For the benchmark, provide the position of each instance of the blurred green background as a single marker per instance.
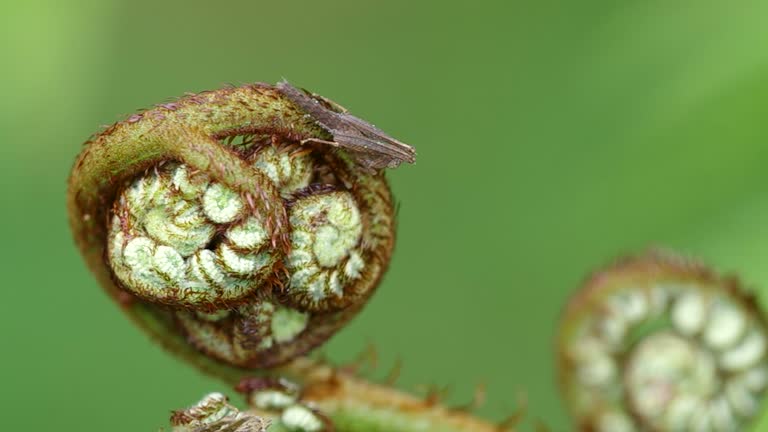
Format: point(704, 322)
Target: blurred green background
point(552, 136)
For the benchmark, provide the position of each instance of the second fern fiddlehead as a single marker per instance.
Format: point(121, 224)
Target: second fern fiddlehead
point(661, 343)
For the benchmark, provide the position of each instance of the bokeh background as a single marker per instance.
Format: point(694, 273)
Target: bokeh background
point(552, 136)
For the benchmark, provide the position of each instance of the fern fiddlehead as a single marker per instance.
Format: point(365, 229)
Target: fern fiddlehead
point(661, 343)
point(241, 228)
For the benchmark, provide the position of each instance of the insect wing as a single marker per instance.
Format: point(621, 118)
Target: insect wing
point(362, 136)
point(369, 145)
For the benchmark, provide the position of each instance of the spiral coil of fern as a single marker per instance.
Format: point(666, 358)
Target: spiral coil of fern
point(256, 246)
point(241, 228)
point(661, 343)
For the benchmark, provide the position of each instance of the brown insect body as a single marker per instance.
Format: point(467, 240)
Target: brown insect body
point(371, 146)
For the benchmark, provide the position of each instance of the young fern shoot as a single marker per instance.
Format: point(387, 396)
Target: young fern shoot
point(243, 227)
point(662, 343)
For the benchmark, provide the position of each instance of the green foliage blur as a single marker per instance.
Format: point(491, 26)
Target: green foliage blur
point(552, 136)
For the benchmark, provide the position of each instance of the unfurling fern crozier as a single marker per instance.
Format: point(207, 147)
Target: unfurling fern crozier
point(234, 219)
point(242, 228)
point(661, 343)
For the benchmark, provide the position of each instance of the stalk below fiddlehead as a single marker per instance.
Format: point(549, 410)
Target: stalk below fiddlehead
point(661, 343)
point(242, 228)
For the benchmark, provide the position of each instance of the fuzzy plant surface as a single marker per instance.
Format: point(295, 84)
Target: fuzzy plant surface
point(658, 342)
point(241, 228)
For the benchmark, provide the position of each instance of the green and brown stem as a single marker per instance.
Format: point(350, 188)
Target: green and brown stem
point(226, 226)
